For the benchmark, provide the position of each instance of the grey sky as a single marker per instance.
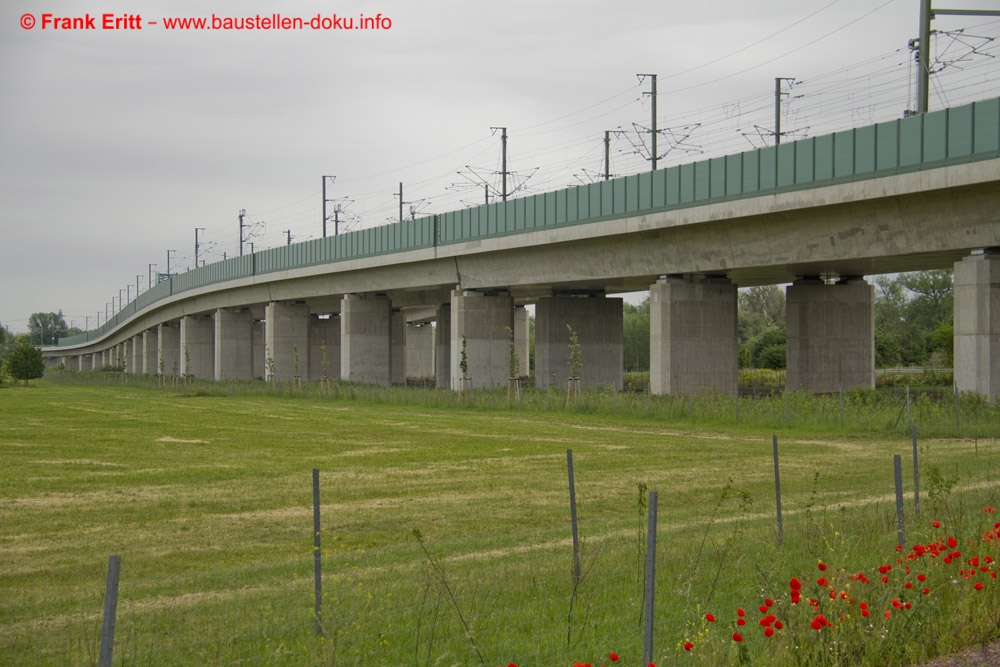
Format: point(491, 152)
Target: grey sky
point(116, 145)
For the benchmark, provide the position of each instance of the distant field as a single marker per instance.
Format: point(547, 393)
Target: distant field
point(208, 500)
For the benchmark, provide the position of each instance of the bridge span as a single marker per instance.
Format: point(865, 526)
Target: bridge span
point(411, 298)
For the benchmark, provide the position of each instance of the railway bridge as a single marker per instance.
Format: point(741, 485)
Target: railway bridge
point(414, 297)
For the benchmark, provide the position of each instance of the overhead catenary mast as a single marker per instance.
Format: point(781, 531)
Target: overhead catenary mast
point(927, 14)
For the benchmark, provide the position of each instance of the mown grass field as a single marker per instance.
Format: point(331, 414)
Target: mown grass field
point(208, 500)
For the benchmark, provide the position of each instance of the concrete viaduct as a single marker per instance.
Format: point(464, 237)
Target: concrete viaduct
point(379, 305)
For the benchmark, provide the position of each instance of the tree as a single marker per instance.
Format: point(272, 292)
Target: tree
point(47, 328)
point(635, 323)
point(25, 362)
point(760, 325)
point(913, 316)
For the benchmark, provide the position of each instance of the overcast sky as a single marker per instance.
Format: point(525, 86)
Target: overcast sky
point(116, 144)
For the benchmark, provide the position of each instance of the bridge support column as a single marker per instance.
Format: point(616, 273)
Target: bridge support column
point(233, 344)
point(397, 347)
point(198, 346)
point(365, 332)
point(442, 347)
point(168, 349)
point(324, 334)
point(831, 335)
point(419, 350)
point(149, 352)
point(693, 342)
point(597, 322)
point(522, 336)
point(286, 334)
point(483, 320)
point(977, 324)
point(138, 355)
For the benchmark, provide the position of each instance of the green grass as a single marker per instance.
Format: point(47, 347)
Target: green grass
point(206, 494)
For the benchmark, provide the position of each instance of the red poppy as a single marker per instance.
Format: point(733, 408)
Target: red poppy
point(762, 608)
point(989, 510)
point(769, 631)
point(737, 637)
point(741, 621)
point(740, 613)
point(778, 625)
point(936, 524)
point(822, 582)
point(978, 586)
point(795, 584)
point(613, 656)
point(821, 566)
point(921, 577)
point(688, 646)
point(710, 618)
point(927, 591)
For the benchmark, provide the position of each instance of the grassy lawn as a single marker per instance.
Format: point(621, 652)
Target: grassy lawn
point(207, 497)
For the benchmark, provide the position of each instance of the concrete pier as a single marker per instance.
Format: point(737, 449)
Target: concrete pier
point(483, 319)
point(286, 341)
point(522, 339)
point(233, 344)
point(397, 347)
point(149, 354)
point(831, 335)
point(420, 351)
point(977, 324)
point(168, 349)
point(324, 334)
point(365, 338)
point(693, 342)
point(597, 322)
point(137, 346)
point(442, 347)
point(197, 341)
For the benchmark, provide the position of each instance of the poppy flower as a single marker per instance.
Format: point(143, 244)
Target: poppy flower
point(822, 582)
point(741, 621)
point(710, 618)
point(613, 656)
point(822, 566)
point(936, 524)
point(795, 584)
point(769, 631)
point(688, 646)
point(978, 586)
point(737, 637)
